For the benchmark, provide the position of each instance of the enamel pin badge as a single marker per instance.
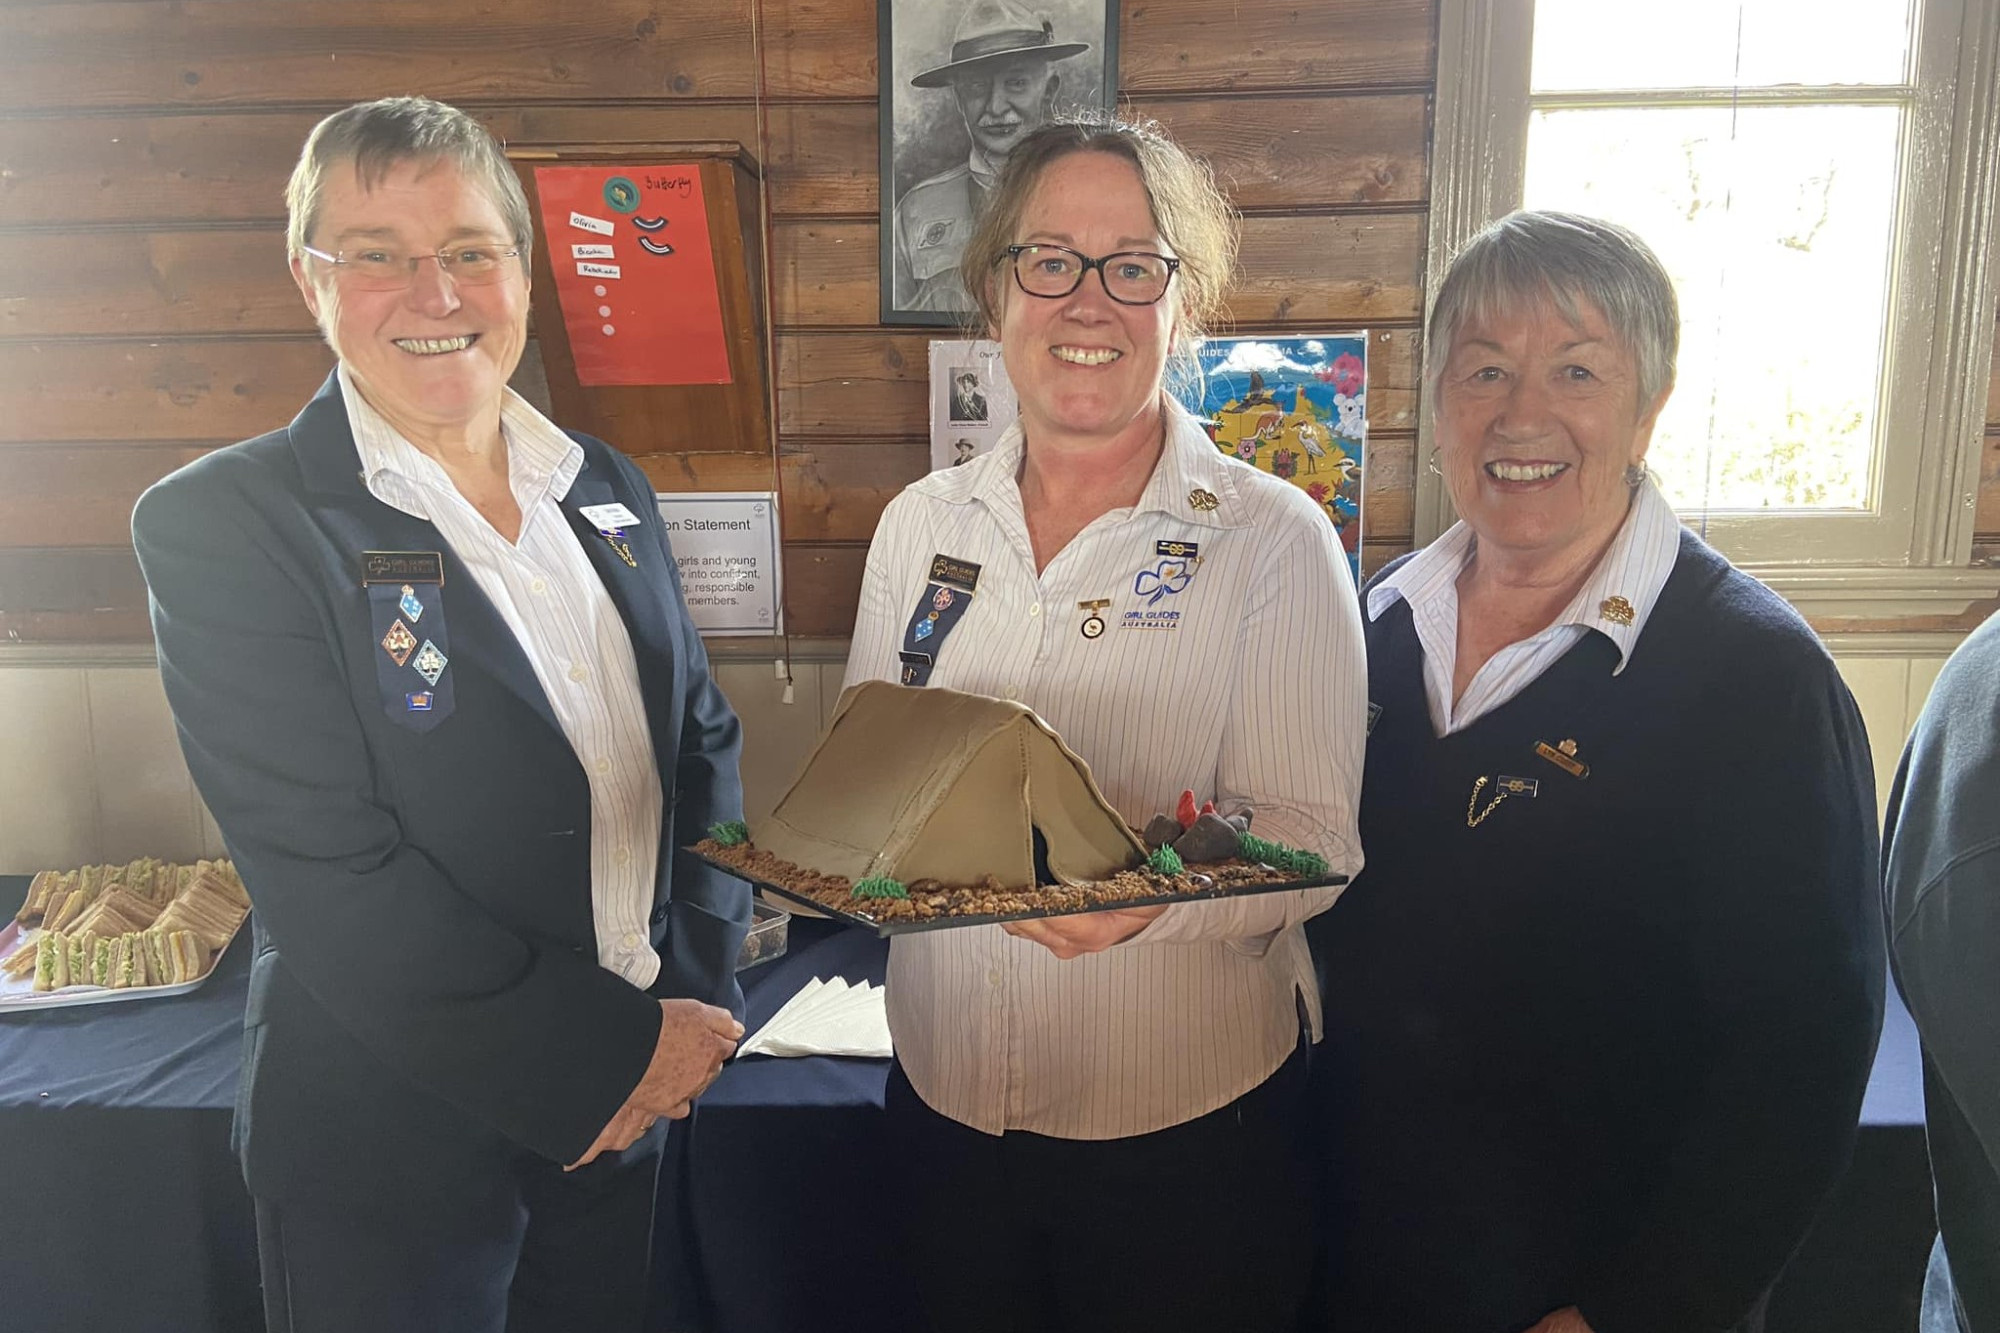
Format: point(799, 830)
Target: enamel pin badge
point(611, 520)
point(405, 588)
point(1093, 622)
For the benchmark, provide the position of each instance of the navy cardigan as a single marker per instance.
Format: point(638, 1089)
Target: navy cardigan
point(1608, 1046)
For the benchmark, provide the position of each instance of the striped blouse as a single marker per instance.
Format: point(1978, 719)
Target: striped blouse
point(1241, 678)
point(547, 591)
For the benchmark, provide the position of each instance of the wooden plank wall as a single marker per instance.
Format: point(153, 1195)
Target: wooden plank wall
point(146, 315)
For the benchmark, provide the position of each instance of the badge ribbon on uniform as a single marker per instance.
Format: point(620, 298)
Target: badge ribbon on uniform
point(412, 646)
point(947, 593)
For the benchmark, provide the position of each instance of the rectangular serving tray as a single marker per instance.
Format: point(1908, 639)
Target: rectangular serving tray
point(21, 996)
point(888, 928)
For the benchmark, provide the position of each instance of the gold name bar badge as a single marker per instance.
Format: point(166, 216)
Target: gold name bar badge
point(1563, 757)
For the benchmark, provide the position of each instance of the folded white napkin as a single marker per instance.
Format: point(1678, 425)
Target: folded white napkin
point(826, 1018)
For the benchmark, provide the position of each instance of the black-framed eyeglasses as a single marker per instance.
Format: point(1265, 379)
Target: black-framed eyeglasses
point(385, 268)
point(1130, 277)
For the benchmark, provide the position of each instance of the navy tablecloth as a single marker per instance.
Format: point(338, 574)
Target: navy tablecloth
point(124, 1210)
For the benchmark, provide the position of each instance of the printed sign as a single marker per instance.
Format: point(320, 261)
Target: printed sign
point(725, 544)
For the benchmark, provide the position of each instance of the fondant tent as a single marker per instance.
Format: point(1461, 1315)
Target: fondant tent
point(934, 784)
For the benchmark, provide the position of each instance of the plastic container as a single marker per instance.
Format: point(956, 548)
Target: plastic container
point(767, 937)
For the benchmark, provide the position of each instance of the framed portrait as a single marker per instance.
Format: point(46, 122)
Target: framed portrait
point(962, 82)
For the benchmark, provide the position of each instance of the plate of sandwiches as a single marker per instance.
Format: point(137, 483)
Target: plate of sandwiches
point(131, 932)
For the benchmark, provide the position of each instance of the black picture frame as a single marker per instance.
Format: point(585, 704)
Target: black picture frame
point(927, 144)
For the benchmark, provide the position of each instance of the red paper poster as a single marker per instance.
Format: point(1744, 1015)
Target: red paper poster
point(635, 273)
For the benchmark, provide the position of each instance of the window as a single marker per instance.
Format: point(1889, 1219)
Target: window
point(1820, 178)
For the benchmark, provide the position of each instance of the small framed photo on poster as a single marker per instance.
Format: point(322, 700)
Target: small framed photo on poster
point(962, 82)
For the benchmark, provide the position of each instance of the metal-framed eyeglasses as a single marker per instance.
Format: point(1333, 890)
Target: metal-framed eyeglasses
point(385, 268)
point(1130, 277)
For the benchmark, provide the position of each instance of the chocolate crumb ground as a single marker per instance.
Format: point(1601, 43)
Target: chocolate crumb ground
point(930, 900)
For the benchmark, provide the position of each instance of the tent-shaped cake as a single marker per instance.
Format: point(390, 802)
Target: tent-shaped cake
point(931, 784)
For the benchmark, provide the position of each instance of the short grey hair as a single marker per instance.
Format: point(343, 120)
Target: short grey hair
point(379, 136)
point(1567, 261)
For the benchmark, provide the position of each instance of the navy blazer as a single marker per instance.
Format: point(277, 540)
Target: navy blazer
point(426, 981)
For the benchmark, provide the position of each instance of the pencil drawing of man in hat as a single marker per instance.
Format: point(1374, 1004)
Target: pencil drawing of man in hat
point(1002, 71)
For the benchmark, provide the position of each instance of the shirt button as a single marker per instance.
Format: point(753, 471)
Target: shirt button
point(604, 765)
point(1013, 692)
point(622, 857)
point(633, 939)
point(579, 674)
point(538, 587)
point(993, 977)
point(1035, 610)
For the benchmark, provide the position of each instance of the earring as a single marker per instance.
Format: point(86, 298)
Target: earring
point(1432, 464)
point(1636, 473)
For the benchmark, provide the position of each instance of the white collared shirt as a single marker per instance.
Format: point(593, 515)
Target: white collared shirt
point(1633, 568)
point(551, 597)
point(1243, 681)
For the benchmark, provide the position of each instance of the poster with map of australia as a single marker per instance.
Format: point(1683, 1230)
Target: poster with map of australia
point(1296, 408)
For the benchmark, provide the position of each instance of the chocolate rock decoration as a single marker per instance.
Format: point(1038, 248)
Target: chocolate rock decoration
point(1209, 838)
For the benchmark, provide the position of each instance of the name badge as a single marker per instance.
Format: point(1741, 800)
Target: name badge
point(960, 574)
point(609, 518)
point(402, 567)
point(1563, 756)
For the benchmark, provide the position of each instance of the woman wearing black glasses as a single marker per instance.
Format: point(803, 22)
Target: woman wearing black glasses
point(1082, 1097)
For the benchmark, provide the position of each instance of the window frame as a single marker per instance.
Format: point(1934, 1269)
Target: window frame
point(1911, 555)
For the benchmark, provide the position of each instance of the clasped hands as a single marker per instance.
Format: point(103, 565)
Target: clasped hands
point(695, 1039)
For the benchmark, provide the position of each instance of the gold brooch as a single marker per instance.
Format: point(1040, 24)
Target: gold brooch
point(1503, 788)
point(1201, 499)
point(1563, 756)
point(1617, 610)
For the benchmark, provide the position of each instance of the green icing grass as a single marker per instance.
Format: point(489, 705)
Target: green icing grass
point(732, 833)
point(1165, 861)
point(879, 886)
point(1300, 865)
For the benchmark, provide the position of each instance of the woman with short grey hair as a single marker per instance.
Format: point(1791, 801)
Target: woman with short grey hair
point(1601, 1008)
point(436, 681)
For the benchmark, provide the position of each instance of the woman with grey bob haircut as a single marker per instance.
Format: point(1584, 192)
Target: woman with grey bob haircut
point(1570, 261)
point(1600, 1009)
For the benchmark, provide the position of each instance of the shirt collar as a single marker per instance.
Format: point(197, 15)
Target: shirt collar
point(1616, 600)
point(983, 168)
point(1192, 481)
point(542, 462)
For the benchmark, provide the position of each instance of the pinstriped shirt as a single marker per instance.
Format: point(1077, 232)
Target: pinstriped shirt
point(1243, 680)
point(1635, 567)
point(549, 594)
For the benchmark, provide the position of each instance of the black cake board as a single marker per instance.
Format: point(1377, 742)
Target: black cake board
point(863, 919)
